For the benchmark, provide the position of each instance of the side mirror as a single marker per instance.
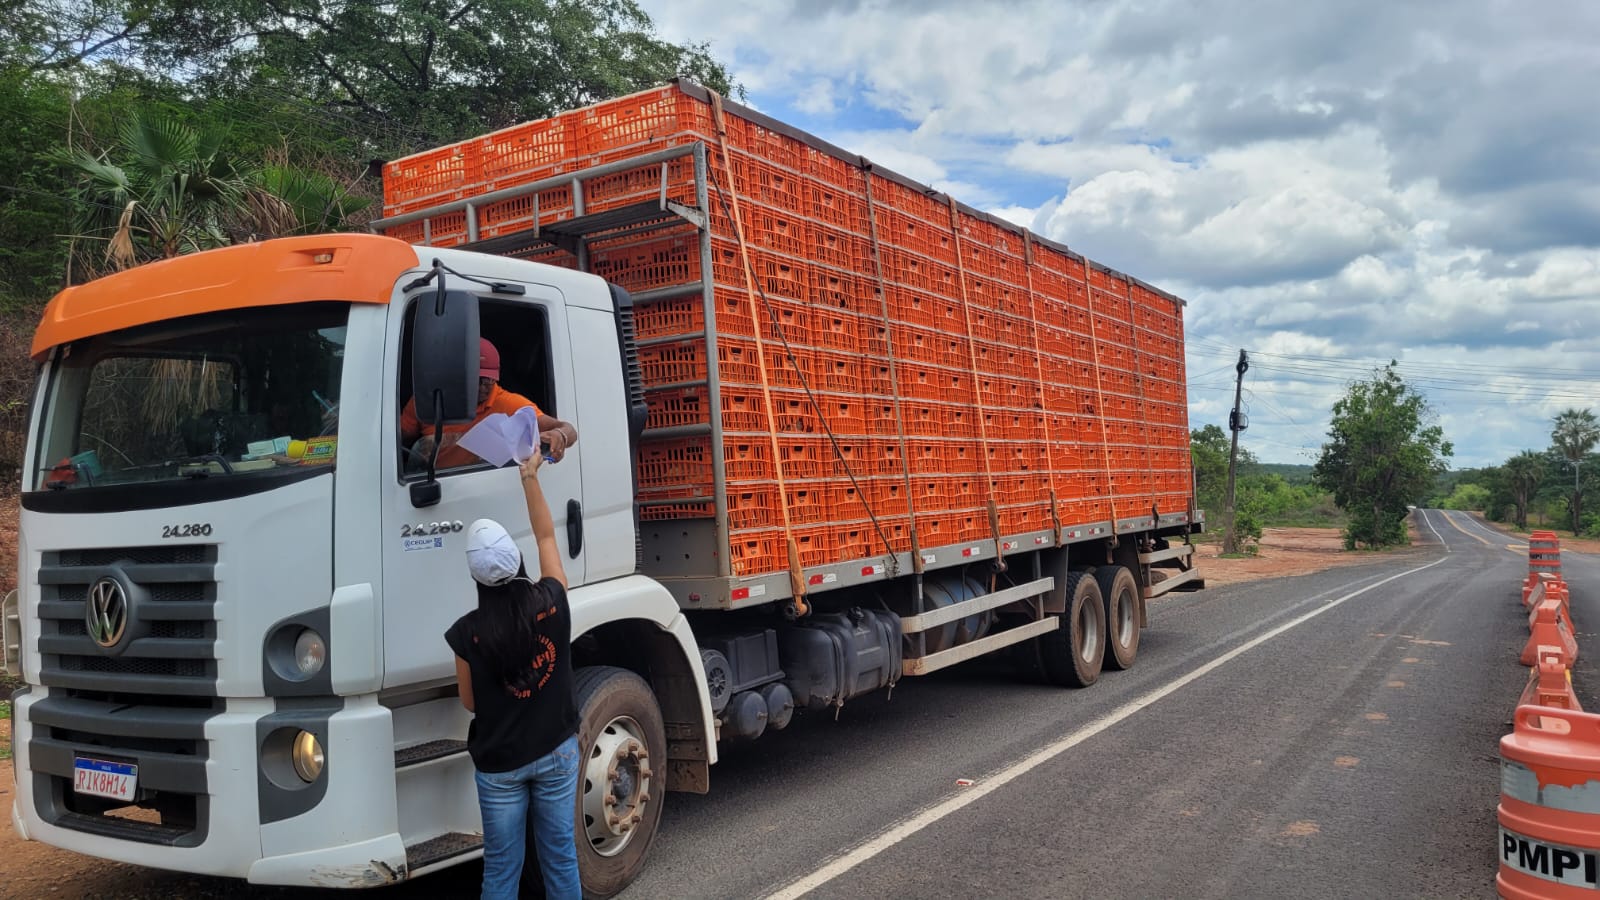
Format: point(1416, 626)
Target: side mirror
point(444, 358)
point(444, 372)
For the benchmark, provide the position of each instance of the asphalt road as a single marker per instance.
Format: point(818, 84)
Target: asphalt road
point(1332, 735)
point(1329, 735)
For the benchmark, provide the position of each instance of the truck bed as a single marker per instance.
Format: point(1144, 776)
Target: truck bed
point(849, 375)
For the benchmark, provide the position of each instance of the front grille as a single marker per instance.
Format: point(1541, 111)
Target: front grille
point(166, 668)
point(169, 647)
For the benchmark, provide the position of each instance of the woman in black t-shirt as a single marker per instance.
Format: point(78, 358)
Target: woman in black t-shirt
point(514, 670)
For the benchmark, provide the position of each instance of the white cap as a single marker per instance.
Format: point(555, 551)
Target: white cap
point(492, 556)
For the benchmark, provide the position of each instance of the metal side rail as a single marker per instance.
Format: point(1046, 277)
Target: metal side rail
point(922, 665)
point(1187, 578)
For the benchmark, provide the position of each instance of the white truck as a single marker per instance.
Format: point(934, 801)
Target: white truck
point(235, 576)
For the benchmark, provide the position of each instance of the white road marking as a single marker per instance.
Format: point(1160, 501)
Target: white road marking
point(1428, 522)
point(1000, 779)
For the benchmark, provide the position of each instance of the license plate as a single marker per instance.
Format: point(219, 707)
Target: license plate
point(98, 778)
point(1552, 862)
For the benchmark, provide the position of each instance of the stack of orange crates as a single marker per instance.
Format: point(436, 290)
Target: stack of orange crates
point(1025, 375)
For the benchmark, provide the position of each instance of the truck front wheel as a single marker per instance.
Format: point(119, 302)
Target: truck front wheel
point(622, 780)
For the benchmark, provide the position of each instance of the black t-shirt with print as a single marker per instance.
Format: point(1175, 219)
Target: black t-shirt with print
point(510, 730)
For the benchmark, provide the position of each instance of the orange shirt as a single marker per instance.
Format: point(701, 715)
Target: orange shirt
point(499, 401)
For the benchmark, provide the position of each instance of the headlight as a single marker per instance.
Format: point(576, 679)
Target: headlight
point(307, 757)
point(310, 652)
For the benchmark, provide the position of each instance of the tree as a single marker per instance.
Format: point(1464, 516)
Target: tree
point(1575, 433)
point(412, 74)
point(1382, 454)
point(1522, 475)
point(1208, 451)
point(166, 189)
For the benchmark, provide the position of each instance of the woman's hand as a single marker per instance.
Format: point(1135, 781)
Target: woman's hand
point(530, 466)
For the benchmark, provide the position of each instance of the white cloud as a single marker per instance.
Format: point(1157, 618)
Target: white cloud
point(1355, 182)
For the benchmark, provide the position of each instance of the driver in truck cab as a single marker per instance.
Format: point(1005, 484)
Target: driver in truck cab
point(492, 398)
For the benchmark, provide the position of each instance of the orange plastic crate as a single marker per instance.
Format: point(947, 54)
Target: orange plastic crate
point(776, 230)
point(815, 545)
point(641, 185)
point(753, 505)
point(772, 146)
point(524, 153)
point(806, 502)
point(643, 118)
point(679, 467)
point(678, 317)
point(441, 231)
point(517, 213)
point(677, 407)
point(646, 265)
point(733, 312)
point(1023, 519)
point(837, 207)
point(666, 512)
point(434, 176)
point(832, 171)
point(747, 459)
point(753, 553)
point(837, 329)
point(764, 183)
point(837, 248)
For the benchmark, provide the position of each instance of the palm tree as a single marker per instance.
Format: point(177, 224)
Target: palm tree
point(1575, 433)
point(161, 190)
point(165, 189)
point(1524, 473)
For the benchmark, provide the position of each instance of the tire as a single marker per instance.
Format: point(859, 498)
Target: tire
point(1121, 593)
point(1071, 656)
point(623, 744)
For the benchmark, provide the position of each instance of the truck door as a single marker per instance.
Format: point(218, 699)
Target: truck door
point(425, 582)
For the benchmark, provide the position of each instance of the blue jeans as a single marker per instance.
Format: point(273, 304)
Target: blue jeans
point(543, 793)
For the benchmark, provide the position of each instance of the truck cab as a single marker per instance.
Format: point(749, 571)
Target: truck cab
point(236, 575)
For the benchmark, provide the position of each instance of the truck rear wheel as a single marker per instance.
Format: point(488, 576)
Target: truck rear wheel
point(1071, 655)
point(622, 778)
point(1121, 595)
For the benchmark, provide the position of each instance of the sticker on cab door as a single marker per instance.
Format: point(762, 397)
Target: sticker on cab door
point(412, 544)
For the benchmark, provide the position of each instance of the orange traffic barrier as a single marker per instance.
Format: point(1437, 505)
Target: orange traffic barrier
point(1550, 682)
point(1550, 588)
point(1544, 552)
point(1550, 805)
point(1551, 581)
point(1551, 627)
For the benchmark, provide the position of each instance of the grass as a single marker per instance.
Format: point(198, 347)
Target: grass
point(5, 713)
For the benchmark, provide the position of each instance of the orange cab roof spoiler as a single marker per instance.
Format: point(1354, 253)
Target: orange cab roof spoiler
point(358, 268)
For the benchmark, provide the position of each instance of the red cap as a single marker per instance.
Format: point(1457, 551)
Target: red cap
point(488, 360)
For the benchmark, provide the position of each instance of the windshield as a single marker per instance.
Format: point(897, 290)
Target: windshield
point(220, 395)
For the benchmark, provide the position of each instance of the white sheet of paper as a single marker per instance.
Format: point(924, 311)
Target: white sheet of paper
point(500, 439)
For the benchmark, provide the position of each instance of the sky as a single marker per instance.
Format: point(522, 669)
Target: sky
point(1329, 185)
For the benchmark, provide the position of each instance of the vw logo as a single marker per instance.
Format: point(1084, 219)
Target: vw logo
point(106, 613)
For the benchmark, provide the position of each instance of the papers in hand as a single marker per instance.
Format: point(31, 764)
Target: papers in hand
point(500, 439)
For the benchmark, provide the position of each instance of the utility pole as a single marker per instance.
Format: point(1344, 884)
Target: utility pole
point(1236, 424)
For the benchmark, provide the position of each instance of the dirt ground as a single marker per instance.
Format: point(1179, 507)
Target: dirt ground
point(1283, 551)
point(30, 870)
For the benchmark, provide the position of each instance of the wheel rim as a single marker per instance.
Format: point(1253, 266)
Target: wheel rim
point(1088, 634)
point(1124, 612)
point(616, 785)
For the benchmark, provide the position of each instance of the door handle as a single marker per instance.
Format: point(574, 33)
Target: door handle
point(574, 528)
